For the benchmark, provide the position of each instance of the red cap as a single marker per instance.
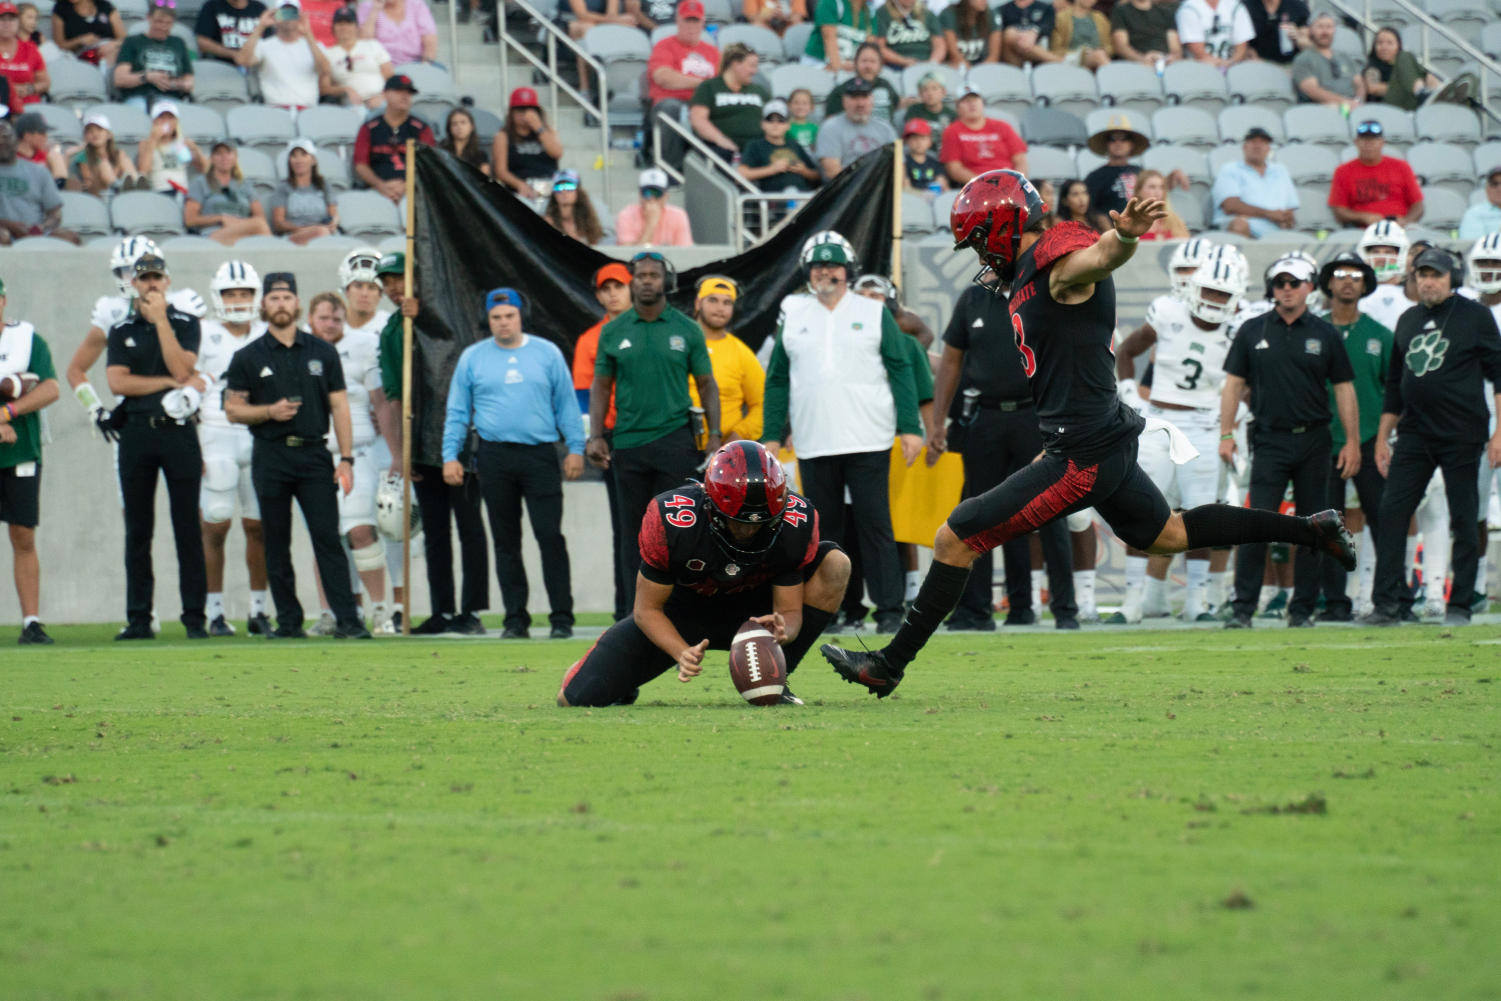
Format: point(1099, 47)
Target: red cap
point(521, 97)
point(691, 8)
point(619, 272)
point(917, 127)
point(6, 7)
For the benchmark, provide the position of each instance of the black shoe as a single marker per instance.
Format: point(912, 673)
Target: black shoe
point(834, 628)
point(287, 633)
point(1066, 623)
point(136, 631)
point(860, 668)
point(971, 625)
point(259, 625)
point(888, 622)
point(561, 633)
point(196, 632)
point(1456, 617)
point(34, 634)
point(1408, 615)
point(1300, 622)
point(1335, 615)
point(788, 699)
point(433, 626)
point(353, 631)
point(219, 627)
point(1334, 539)
point(396, 621)
point(516, 633)
point(1239, 620)
point(1021, 617)
point(467, 624)
point(1380, 618)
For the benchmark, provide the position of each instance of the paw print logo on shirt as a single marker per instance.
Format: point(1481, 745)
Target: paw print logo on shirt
point(1426, 353)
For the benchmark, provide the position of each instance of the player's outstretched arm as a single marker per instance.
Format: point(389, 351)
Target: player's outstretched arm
point(651, 599)
point(1093, 264)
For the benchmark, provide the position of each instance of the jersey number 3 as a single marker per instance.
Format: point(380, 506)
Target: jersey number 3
point(1192, 382)
point(1029, 360)
point(683, 517)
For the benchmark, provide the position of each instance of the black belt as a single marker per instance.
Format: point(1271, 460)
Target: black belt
point(163, 421)
point(1303, 429)
point(293, 441)
point(1006, 406)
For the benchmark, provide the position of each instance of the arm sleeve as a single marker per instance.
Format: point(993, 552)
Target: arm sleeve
point(456, 420)
point(701, 97)
point(424, 19)
point(922, 371)
point(753, 392)
point(1014, 143)
point(1242, 30)
point(426, 137)
point(1302, 69)
point(362, 145)
point(604, 361)
point(827, 12)
point(827, 143)
point(565, 404)
point(390, 357)
point(956, 335)
point(1414, 191)
point(774, 418)
point(207, 25)
point(237, 376)
point(189, 334)
point(1392, 403)
point(583, 361)
point(948, 151)
point(899, 375)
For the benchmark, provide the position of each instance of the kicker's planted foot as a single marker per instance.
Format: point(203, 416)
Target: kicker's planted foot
point(861, 668)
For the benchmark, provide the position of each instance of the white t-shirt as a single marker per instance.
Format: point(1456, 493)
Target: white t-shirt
point(215, 350)
point(1189, 363)
point(374, 327)
point(359, 353)
point(289, 76)
point(1220, 28)
point(359, 67)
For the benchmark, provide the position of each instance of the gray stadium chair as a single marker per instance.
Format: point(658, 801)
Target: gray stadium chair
point(219, 86)
point(1193, 163)
point(1443, 56)
point(1236, 120)
point(795, 41)
point(130, 125)
point(138, 213)
point(1486, 157)
point(332, 166)
point(624, 52)
point(1466, 17)
point(364, 213)
point(1130, 86)
point(1448, 123)
point(256, 125)
point(1477, 196)
point(76, 84)
point(1490, 40)
point(1262, 84)
point(85, 215)
point(952, 78)
point(1051, 164)
point(1195, 84)
point(917, 214)
point(1440, 165)
point(259, 170)
point(1100, 118)
point(62, 121)
point(1350, 43)
point(1086, 162)
point(1290, 236)
point(181, 30)
point(1316, 123)
point(786, 79)
point(331, 125)
point(392, 244)
point(1431, 235)
point(132, 10)
point(1004, 87)
point(1351, 235)
point(943, 205)
point(1442, 208)
point(1187, 126)
point(1314, 214)
point(1391, 14)
point(45, 244)
point(662, 31)
point(719, 12)
point(264, 243)
point(1222, 155)
point(1064, 88)
point(763, 40)
point(335, 242)
point(201, 124)
point(1398, 130)
point(1189, 209)
point(1051, 127)
point(185, 243)
point(486, 124)
point(435, 91)
point(1308, 164)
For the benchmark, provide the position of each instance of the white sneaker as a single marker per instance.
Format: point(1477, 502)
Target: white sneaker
point(325, 625)
point(156, 623)
point(1435, 610)
point(381, 623)
point(1158, 609)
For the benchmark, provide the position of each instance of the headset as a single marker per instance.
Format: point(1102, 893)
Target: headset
point(652, 255)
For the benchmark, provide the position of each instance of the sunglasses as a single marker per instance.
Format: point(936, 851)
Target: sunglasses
point(649, 255)
point(1287, 282)
point(652, 192)
point(774, 118)
point(565, 186)
point(1346, 273)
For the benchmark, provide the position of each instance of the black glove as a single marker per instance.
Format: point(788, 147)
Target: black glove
point(103, 421)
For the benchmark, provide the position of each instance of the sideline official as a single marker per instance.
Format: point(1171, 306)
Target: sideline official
point(1444, 349)
point(286, 385)
point(150, 364)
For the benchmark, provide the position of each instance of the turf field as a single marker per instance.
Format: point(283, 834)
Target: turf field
point(1108, 814)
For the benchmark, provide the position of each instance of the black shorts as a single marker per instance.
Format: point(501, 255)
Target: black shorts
point(624, 658)
point(21, 497)
point(1055, 486)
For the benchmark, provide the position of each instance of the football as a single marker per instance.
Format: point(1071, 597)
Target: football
point(13, 387)
point(757, 666)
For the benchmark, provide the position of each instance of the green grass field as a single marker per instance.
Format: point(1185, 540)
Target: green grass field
point(1123, 815)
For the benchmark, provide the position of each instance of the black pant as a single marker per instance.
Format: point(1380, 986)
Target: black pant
point(1414, 459)
point(868, 477)
point(996, 445)
point(439, 500)
point(612, 494)
point(508, 474)
point(1369, 486)
point(281, 473)
point(1276, 458)
point(640, 474)
point(172, 450)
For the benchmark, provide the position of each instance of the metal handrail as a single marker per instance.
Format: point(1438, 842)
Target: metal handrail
point(698, 144)
point(453, 39)
point(550, 69)
point(762, 201)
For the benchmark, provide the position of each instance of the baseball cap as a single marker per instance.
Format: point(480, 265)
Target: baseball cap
point(1295, 266)
point(1436, 258)
point(565, 180)
point(1491, 174)
point(1257, 132)
point(303, 143)
point(970, 90)
point(928, 78)
point(30, 122)
point(100, 120)
point(1369, 128)
point(828, 253)
point(718, 285)
point(400, 81)
point(7, 7)
point(165, 108)
point(524, 97)
point(150, 264)
point(917, 127)
point(503, 297)
point(346, 15)
point(284, 279)
point(653, 177)
point(775, 107)
point(392, 264)
point(858, 85)
point(691, 8)
point(616, 272)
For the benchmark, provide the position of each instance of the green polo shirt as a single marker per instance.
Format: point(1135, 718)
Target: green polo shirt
point(28, 444)
point(390, 357)
point(1369, 346)
point(650, 361)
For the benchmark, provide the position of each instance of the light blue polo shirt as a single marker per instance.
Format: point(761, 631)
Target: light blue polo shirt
point(1480, 219)
point(1272, 191)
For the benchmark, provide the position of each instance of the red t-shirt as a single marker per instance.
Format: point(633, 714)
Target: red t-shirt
point(1387, 189)
point(989, 147)
point(701, 61)
point(22, 68)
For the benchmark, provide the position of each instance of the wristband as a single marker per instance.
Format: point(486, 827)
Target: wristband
point(10, 412)
point(1127, 239)
point(1227, 437)
point(346, 458)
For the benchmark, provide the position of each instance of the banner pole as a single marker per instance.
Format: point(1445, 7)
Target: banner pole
point(406, 392)
point(897, 169)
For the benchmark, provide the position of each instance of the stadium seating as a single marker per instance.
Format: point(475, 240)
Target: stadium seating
point(763, 41)
point(1314, 214)
point(330, 165)
point(61, 120)
point(1192, 162)
point(1051, 127)
point(1490, 40)
point(201, 124)
point(624, 52)
point(1289, 236)
point(130, 125)
point(331, 125)
point(1236, 120)
point(1308, 164)
point(1443, 56)
point(1086, 162)
point(258, 125)
point(132, 10)
point(259, 169)
point(263, 243)
point(1051, 164)
point(1064, 88)
point(1187, 126)
point(335, 242)
point(85, 214)
point(146, 213)
point(1195, 84)
point(943, 206)
point(364, 213)
point(662, 31)
point(719, 12)
point(435, 91)
point(1486, 156)
point(1222, 155)
point(1261, 84)
point(795, 40)
point(219, 85)
point(1316, 123)
point(1448, 123)
point(952, 78)
point(1130, 87)
point(1004, 87)
point(76, 84)
point(1189, 209)
point(1466, 17)
point(1442, 208)
point(1099, 119)
point(1444, 166)
point(1396, 125)
point(786, 79)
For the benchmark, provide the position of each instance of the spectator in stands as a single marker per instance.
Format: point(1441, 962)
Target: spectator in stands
point(652, 14)
point(320, 18)
point(1145, 32)
point(358, 67)
point(652, 222)
point(291, 61)
point(777, 15)
point(221, 204)
point(726, 109)
point(923, 170)
point(1027, 32)
point(908, 35)
point(100, 166)
point(302, 207)
point(21, 62)
point(90, 29)
point(156, 64)
point(931, 105)
point(526, 151)
point(165, 155)
point(839, 28)
point(971, 34)
point(405, 27)
point(1073, 204)
point(223, 27)
point(775, 162)
point(1113, 183)
point(461, 138)
point(1393, 76)
point(846, 137)
point(975, 144)
point(679, 63)
point(1254, 197)
point(1081, 36)
point(867, 68)
point(1151, 185)
point(380, 147)
point(1373, 187)
point(32, 144)
point(570, 211)
point(582, 15)
point(803, 130)
point(1484, 218)
point(29, 202)
point(30, 16)
point(1281, 29)
point(1217, 32)
point(1324, 76)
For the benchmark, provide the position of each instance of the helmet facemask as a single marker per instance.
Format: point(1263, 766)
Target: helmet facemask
point(1215, 292)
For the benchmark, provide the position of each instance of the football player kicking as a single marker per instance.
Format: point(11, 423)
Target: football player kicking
point(1063, 317)
point(738, 546)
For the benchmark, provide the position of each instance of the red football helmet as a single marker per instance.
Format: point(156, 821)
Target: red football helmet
point(990, 215)
point(746, 486)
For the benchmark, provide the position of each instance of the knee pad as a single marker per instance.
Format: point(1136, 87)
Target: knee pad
point(1080, 521)
point(220, 473)
point(218, 505)
point(371, 557)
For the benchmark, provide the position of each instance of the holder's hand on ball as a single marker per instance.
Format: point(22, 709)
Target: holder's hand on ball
point(774, 624)
point(691, 661)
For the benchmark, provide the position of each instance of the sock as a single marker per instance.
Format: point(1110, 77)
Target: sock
point(914, 582)
point(1210, 525)
point(939, 595)
point(1037, 578)
point(1412, 558)
point(257, 603)
point(1198, 578)
point(815, 620)
point(28, 620)
point(1136, 576)
point(1366, 568)
point(1481, 567)
point(1155, 595)
point(1217, 589)
point(1268, 592)
point(215, 606)
point(398, 609)
point(1084, 592)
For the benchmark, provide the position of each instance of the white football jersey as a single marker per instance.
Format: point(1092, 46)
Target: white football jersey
point(375, 326)
point(1221, 28)
point(215, 350)
point(113, 309)
point(1247, 309)
point(1490, 391)
point(359, 352)
point(1189, 361)
point(1386, 305)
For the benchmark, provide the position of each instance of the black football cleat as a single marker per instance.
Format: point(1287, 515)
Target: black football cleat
point(434, 625)
point(560, 633)
point(136, 631)
point(788, 699)
point(287, 633)
point(34, 634)
point(467, 624)
point(861, 668)
point(353, 630)
point(196, 632)
point(1334, 539)
point(259, 625)
point(220, 627)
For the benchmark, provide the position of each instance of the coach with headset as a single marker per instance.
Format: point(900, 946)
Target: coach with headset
point(1444, 349)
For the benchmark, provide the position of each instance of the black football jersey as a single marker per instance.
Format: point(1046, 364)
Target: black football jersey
point(1067, 352)
point(678, 548)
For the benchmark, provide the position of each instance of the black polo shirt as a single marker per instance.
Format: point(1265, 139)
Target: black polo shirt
point(134, 344)
point(1289, 367)
point(268, 371)
point(981, 328)
point(1441, 358)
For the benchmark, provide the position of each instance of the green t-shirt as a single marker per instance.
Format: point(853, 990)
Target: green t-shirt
point(650, 362)
point(885, 96)
point(941, 119)
point(803, 133)
point(762, 153)
point(850, 30)
point(735, 113)
point(912, 36)
point(1369, 346)
point(28, 444)
point(170, 55)
point(922, 369)
point(973, 45)
point(390, 357)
